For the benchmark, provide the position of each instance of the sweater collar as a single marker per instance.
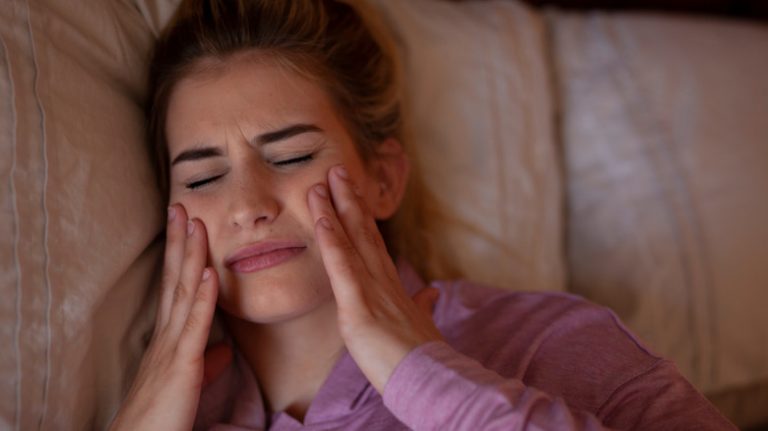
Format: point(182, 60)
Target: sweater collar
point(344, 391)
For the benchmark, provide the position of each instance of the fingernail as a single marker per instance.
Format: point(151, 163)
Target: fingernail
point(190, 228)
point(171, 213)
point(321, 190)
point(342, 171)
point(326, 223)
point(206, 274)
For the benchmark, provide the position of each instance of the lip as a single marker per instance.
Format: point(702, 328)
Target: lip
point(263, 255)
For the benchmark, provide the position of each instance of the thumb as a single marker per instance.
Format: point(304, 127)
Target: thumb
point(426, 299)
point(217, 359)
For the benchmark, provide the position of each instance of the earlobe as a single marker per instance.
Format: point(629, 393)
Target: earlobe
point(391, 168)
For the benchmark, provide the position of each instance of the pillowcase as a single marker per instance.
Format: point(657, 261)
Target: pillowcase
point(480, 115)
point(81, 215)
point(80, 210)
point(666, 149)
point(479, 106)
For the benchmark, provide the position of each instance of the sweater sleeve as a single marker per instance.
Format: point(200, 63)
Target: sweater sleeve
point(435, 387)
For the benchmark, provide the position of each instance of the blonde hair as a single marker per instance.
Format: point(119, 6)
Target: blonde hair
point(339, 45)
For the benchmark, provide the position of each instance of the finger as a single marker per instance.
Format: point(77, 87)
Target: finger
point(174, 255)
point(195, 251)
point(197, 325)
point(341, 260)
point(426, 299)
point(357, 221)
point(217, 359)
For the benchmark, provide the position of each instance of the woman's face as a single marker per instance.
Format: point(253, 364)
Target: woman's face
point(246, 143)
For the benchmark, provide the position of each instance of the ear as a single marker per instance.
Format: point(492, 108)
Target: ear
point(389, 170)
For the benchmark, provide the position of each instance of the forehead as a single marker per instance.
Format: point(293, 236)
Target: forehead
point(253, 94)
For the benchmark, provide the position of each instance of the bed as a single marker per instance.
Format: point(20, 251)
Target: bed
point(619, 155)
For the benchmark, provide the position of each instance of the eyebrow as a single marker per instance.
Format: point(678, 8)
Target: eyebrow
point(263, 139)
point(285, 133)
point(196, 154)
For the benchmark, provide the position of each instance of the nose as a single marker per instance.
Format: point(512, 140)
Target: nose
point(253, 203)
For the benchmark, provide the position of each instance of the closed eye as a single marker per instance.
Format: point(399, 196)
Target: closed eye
point(295, 160)
point(197, 184)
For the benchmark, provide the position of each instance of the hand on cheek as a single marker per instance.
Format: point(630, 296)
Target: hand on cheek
point(378, 321)
point(175, 367)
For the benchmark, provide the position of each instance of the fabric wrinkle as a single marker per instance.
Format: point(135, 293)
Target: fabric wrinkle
point(16, 233)
point(46, 252)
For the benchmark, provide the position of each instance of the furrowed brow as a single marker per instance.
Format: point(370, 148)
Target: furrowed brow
point(196, 154)
point(263, 139)
point(285, 133)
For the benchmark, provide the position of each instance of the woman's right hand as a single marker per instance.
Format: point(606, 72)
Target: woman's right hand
point(166, 391)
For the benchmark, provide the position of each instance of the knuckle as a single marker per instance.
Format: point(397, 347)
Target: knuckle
point(181, 361)
point(348, 248)
point(370, 236)
point(327, 214)
point(181, 292)
point(193, 323)
point(346, 269)
point(203, 295)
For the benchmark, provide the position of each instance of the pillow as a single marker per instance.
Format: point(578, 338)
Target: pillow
point(478, 103)
point(80, 210)
point(666, 150)
point(81, 216)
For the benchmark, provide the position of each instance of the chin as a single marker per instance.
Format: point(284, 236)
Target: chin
point(272, 302)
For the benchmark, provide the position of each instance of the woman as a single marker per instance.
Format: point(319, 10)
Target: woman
point(278, 132)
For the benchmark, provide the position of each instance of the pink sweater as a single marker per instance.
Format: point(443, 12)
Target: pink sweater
point(512, 361)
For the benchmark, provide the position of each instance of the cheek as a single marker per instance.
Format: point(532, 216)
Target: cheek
point(297, 195)
point(208, 211)
point(201, 207)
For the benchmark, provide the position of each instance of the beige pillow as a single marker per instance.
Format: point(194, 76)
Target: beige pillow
point(666, 145)
point(81, 214)
point(80, 210)
point(479, 103)
point(479, 106)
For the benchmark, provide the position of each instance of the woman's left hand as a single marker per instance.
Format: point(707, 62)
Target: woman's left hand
point(378, 321)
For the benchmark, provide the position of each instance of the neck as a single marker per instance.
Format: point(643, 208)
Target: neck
point(290, 359)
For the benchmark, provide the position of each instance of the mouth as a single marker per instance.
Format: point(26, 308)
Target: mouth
point(263, 255)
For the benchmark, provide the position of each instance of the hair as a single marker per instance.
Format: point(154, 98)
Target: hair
point(338, 46)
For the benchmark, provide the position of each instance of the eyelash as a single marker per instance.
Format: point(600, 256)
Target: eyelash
point(282, 163)
point(295, 161)
point(197, 184)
